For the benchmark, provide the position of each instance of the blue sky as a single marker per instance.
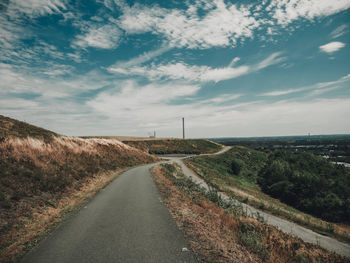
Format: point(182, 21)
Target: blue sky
point(231, 68)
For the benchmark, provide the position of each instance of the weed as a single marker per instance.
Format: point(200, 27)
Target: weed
point(250, 238)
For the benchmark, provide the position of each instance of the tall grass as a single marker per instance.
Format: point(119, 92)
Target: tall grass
point(36, 174)
point(220, 231)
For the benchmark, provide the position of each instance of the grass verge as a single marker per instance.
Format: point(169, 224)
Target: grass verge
point(41, 180)
point(221, 232)
point(216, 171)
point(44, 219)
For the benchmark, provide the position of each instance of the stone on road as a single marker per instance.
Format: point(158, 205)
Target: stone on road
point(125, 222)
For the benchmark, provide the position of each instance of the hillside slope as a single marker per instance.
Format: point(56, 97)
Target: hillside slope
point(44, 175)
point(244, 173)
point(11, 127)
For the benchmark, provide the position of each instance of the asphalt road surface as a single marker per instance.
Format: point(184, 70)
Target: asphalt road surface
point(125, 222)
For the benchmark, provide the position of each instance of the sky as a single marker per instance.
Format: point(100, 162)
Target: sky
point(230, 68)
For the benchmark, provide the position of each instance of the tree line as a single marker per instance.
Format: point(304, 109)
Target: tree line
point(309, 183)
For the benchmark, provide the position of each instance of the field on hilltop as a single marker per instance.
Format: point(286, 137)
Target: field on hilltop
point(44, 175)
point(175, 146)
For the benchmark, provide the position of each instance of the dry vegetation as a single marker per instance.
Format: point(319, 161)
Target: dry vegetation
point(175, 146)
point(216, 171)
point(10, 127)
point(128, 138)
point(45, 176)
point(219, 232)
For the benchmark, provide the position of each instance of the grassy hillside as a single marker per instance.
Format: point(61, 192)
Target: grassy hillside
point(175, 146)
point(242, 171)
point(220, 231)
point(11, 127)
point(43, 176)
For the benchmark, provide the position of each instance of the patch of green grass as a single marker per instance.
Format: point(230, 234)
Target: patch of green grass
point(176, 146)
point(250, 237)
point(259, 238)
point(236, 172)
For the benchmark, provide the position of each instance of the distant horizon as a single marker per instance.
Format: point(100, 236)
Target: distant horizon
point(132, 67)
point(180, 136)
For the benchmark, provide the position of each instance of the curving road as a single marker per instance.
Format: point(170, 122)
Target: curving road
point(125, 222)
point(284, 225)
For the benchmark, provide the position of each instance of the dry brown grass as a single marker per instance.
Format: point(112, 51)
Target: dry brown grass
point(217, 236)
point(40, 181)
point(175, 146)
point(130, 138)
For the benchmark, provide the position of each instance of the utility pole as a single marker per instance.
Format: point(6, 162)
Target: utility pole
point(183, 128)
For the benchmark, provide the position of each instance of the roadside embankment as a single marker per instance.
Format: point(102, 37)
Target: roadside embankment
point(220, 230)
point(43, 176)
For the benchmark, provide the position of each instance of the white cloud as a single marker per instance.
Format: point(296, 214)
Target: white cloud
point(282, 92)
point(221, 99)
point(131, 111)
point(182, 71)
point(35, 8)
point(317, 88)
point(139, 104)
point(339, 31)
point(321, 91)
point(17, 104)
point(146, 56)
point(50, 85)
point(273, 59)
point(234, 61)
point(105, 37)
point(287, 11)
point(223, 25)
point(332, 47)
point(128, 108)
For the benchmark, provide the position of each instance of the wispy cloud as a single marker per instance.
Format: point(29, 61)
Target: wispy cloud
point(35, 8)
point(182, 71)
point(221, 99)
point(250, 119)
point(339, 31)
point(321, 91)
point(105, 37)
point(282, 92)
point(223, 25)
point(317, 88)
point(288, 11)
point(273, 59)
point(146, 56)
point(332, 47)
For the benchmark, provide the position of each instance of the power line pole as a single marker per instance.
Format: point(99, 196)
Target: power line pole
point(183, 128)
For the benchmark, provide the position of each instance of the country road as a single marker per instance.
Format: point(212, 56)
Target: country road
point(286, 226)
point(125, 222)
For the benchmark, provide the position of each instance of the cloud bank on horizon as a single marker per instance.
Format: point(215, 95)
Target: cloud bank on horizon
point(231, 68)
